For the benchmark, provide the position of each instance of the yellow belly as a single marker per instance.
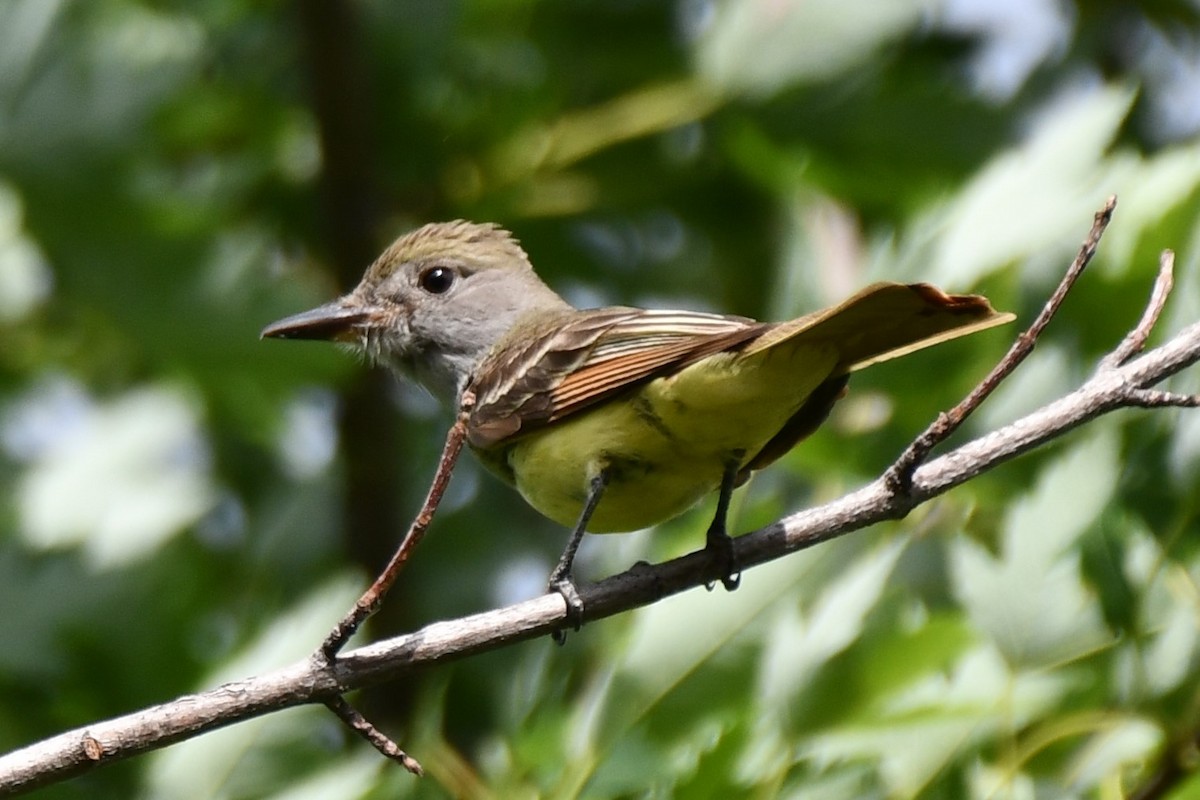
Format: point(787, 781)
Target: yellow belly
point(666, 444)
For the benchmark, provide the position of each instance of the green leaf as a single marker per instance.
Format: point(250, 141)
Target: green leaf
point(797, 42)
point(1030, 598)
point(797, 643)
point(1030, 201)
point(237, 760)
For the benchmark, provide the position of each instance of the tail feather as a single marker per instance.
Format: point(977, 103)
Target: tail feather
point(887, 320)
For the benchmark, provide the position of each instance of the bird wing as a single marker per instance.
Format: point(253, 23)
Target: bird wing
point(581, 358)
point(587, 357)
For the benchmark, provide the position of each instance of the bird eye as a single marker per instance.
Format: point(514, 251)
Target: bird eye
point(437, 280)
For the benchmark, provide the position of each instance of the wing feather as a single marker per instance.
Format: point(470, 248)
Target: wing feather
point(577, 359)
point(588, 356)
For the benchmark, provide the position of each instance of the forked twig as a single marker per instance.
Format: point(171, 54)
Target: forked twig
point(1135, 341)
point(899, 476)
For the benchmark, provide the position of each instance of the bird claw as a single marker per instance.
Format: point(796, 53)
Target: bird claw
point(720, 548)
point(574, 616)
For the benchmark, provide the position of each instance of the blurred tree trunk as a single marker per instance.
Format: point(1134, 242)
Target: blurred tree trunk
point(372, 432)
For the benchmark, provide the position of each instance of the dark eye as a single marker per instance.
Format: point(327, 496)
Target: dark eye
point(437, 280)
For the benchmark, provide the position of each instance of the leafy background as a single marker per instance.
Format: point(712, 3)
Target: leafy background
point(183, 504)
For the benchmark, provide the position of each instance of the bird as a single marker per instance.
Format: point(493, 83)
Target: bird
point(617, 418)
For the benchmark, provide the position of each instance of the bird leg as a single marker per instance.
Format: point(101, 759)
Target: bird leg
point(718, 542)
point(560, 579)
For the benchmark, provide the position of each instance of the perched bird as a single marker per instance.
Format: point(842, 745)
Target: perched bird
point(614, 419)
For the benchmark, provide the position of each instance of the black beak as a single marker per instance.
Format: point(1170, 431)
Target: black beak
point(333, 322)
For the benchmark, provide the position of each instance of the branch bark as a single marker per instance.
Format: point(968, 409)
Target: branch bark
point(1122, 379)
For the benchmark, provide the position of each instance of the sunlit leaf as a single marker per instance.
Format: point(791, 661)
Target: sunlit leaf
point(800, 641)
point(1031, 200)
point(1127, 744)
point(240, 755)
point(1030, 597)
point(928, 725)
point(760, 47)
point(136, 470)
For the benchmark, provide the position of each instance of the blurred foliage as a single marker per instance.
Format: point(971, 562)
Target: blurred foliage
point(184, 504)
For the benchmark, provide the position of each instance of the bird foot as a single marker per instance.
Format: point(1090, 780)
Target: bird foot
point(720, 549)
point(566, 588)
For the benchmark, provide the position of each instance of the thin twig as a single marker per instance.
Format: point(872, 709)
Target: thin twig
point(372, 598)
point(379, 740)
point(1135, 341)
point(1158, 398)
point(899, 475)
